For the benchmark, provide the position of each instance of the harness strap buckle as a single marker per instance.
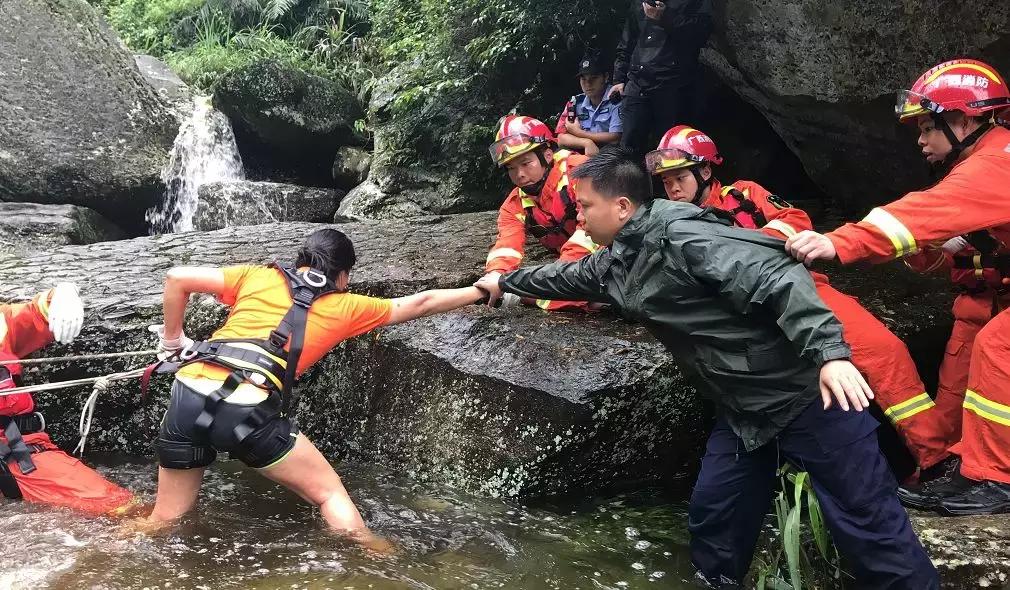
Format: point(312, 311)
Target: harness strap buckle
point(314, 278)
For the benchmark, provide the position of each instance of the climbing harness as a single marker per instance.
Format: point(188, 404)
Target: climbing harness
point(264, 363)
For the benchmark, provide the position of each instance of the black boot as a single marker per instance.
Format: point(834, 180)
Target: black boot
point(985, 497)
point(950, 465)
point(940, 481)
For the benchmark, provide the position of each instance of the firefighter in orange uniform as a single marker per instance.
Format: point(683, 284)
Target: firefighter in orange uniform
point(32, 467)
point(954, 105)
point(684, 159)
point(542, 204)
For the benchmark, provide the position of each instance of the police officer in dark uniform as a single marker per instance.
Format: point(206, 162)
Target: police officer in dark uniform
point(656, 67)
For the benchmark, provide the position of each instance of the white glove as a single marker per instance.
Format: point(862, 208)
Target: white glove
point(167, 348)
point(954, 245)
point(66, 313)
point(510, 300)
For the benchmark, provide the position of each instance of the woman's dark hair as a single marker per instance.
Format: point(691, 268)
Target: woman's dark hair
point(327, 250)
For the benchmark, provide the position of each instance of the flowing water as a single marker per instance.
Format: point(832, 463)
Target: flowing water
point(250, 533)
point(204, 151)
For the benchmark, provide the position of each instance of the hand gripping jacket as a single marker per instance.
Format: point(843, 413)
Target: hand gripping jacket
point(261, 362)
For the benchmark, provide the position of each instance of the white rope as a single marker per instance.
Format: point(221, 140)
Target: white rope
point(72, 383)
point(87, 413)
point(79, 357)
point(101, 385)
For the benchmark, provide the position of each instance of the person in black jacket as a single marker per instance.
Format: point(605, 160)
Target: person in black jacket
point(746, 320)
point(656, 67)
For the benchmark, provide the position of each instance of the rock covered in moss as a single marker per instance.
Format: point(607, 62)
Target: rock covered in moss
point(287, 119)
point(30, 228)
point(79, 124)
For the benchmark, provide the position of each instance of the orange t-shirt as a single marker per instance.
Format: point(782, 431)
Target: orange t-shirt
point(259, 299)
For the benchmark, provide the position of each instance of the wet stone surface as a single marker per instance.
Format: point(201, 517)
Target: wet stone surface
point(504, 403)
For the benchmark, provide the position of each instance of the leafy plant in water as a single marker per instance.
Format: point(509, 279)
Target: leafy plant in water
point(811, 558)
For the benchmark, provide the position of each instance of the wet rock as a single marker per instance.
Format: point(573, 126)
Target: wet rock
point(288, 121)
point(350, 167)
point(505, 403)
point(30, 228)
point(78, 122)
point(368, 201)
point(969, 552)
point(230, 204)
point(513, 402)
point(824, 75)
point(166, 82)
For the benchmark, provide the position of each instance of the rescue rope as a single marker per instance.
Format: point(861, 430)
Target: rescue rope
point(133, 374)
point(80, 357)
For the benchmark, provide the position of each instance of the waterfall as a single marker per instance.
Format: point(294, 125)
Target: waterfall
point(204, 151)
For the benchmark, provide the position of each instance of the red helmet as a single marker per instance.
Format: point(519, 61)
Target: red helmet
point(682, 147)
point(965, 85)
point(517, 135)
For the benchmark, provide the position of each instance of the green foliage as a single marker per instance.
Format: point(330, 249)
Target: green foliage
point(811, 559)
point(155, 27)
point(205, 39)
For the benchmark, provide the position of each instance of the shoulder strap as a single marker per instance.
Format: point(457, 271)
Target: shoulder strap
point(305, 287)
point(746, 205)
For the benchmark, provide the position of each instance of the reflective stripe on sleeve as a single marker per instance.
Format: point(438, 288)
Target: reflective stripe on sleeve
point(581, 238)
point(986, 408)
point(781, 227)
point(504, 253)
point(902, 239)
point(909, 408)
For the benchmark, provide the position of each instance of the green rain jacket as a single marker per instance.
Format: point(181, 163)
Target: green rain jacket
point(731, 306)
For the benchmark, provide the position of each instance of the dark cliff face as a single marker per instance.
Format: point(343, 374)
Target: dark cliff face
point(824, 75)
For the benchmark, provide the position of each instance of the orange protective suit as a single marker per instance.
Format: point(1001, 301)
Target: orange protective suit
point(58, 479)
point(880, 355)
point(551, 218)
point(971, 197)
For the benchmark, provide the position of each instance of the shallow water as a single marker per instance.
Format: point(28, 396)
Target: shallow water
point(250, 533)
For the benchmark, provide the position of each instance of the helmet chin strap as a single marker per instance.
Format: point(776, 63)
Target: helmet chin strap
point(536, 187)
point(702, 185)
point(957, 145)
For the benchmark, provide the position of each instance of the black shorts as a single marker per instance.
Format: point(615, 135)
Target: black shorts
point(180, 446)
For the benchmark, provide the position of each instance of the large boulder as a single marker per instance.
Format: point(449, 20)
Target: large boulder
point(824, 75)
point(167, 83)
point(79, 124)
point(229, 204)
point(288, 123)
point(506, 403)
point(30, 228)
point(350, 166)
point(513, 402)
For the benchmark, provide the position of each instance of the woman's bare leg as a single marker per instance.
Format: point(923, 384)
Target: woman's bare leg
point(307, 473)
point(177, 492)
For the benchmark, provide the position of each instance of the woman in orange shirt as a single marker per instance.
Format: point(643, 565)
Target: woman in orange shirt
point(232, 392)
